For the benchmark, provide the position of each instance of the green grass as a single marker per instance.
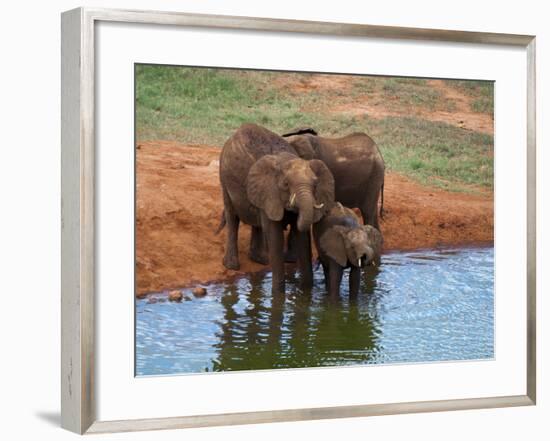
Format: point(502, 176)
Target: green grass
point(204, 106)
point(399, 93)
point(435, 153)
point(481, 92)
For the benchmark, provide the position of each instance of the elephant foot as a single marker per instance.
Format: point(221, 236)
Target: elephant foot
point(231, 263)
point(306, 283)
point(290, 256)
point(278, 288)
point(259, 258)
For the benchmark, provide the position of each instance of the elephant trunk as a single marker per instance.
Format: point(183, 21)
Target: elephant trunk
point(369, 255)
point(304, 202)
point(358, 251)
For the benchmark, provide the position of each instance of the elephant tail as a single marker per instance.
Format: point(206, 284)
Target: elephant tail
point(222, 223)
point(382, 201)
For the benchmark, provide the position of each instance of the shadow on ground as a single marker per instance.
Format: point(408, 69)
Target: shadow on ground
point(52, 418)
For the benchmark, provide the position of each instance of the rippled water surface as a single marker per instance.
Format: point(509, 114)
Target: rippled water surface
point(416, 307)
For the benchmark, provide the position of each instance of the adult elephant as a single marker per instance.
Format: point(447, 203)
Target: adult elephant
point(356, 164)
point(267, 185)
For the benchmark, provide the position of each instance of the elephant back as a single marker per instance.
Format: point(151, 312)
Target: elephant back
point(337, 215)
point(340, 215)
point(254, 141)
point(352, 147)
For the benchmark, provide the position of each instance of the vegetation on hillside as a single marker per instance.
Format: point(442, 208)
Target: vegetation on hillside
point(204, 106)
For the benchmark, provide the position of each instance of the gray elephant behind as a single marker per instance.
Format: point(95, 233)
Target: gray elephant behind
point(265, 184)
point(356, 164)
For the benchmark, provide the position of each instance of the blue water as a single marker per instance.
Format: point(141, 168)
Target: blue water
point(423, 306)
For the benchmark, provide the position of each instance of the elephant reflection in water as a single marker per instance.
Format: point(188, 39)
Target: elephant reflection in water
point(307, 330)
point(250, 337)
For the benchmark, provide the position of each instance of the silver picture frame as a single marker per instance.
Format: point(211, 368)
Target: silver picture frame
point(78, 396)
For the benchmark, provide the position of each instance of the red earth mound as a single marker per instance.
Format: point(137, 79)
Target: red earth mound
point(179, 206)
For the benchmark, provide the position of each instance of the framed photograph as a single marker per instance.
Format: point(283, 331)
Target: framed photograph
point(297, 234)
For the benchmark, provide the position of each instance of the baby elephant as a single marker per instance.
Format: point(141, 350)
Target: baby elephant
point(342, 241)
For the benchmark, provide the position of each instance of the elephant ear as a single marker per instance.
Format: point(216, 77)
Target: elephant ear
point(262, 189)
point(324, 190)
point(303, 146)
point(332, 243)
point(375, 239)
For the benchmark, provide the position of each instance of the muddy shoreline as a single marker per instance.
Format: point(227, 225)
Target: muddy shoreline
point(291, 266)
point(178, 208)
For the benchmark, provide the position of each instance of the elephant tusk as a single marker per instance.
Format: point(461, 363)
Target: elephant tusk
point(292, 199)
point(359, 262)
point(318, 206)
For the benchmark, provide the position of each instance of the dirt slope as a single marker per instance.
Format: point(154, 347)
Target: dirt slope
point(375, 104)
point(179, 207)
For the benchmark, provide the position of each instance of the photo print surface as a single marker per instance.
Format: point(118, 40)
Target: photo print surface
point(289, 220)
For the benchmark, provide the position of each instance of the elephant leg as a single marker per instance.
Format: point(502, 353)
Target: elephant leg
point(258, 252)
point(369, 209)
point(303, 245)
point(327, 276)
point(335, 278)
point(231, 258)
point(291, 245)
point(275, 238)
point(364, 214)
point(354, 280)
